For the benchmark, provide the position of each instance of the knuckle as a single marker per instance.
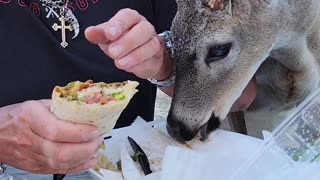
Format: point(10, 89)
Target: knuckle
point(27, 108)
point(130, 69)
point(133, 14)
point(155, 44)
point(50, 132)
point(52, 164)
point(23, 114)
point(62, 156)
point(147, 28)
point(93, 150)
point(105, 49)
point(31, 103)
point(22, 140)
point(137, 56)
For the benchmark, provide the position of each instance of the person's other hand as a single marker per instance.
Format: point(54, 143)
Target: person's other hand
point(247, 97)
point(33, 139)
point(132, 42)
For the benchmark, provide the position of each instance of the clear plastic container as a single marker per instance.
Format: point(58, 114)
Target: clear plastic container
point(291, 151)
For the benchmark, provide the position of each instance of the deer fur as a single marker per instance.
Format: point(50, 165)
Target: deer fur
point(277, 41)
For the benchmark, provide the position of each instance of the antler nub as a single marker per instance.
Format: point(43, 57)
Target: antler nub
point(217, 5)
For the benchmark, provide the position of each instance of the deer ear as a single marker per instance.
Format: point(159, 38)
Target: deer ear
point(219, 5)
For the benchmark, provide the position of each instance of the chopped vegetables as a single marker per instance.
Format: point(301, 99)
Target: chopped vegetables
point(104, 162)
point(92, 93)
point(70, 85)
point(118, 95)
point(136, 156)
point(102, 84)
point(103, 146)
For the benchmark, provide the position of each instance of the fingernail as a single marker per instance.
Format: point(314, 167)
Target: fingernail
point(93, 135)
point(114, 31)
point(116, 50)
point(88, 29)
point(124, 61)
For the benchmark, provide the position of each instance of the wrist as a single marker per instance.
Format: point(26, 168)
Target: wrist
point(166, 75)
point(166, 67)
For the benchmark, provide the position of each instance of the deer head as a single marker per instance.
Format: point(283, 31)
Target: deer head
point(219, 45)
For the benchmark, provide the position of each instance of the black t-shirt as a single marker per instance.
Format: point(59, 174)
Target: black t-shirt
point(32, 61)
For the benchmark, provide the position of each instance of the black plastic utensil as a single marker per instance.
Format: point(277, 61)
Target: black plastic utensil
point(108, 137)
point(58, 176)
point(141, 156)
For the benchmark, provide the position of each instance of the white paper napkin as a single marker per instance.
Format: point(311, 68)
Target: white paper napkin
point(216, 159)
point(184, 164)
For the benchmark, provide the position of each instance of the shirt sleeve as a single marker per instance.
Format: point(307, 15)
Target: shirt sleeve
point(164, 12)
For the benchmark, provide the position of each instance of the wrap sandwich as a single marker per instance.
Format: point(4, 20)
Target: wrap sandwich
point(99, 104)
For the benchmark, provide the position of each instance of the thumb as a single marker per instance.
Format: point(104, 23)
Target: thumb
point(46, 103)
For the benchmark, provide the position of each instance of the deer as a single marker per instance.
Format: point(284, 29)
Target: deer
point(220, 45)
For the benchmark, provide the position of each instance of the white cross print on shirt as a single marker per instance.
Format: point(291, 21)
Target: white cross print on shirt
point(51, 11)
point(63, 28)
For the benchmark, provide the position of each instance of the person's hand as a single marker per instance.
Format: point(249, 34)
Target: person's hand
point(33, 139)
point(132, 42)
point(246, 98)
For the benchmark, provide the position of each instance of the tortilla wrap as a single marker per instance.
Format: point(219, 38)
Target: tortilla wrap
point(84, 103)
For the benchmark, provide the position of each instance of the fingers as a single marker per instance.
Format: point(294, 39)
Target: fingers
point(65, 155)
point(68, 156)
point(124, 20)
point(146, 69)
point(46, 103)
point(37, 166)
point(46, 125)
point(96, 35)
point(139, 55)
point(132, 42)
point(84, 166)
point(105, 47)
point(137, 36)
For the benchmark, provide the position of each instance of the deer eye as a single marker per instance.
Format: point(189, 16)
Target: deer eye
point(218, 52)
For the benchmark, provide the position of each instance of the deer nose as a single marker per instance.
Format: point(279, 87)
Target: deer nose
point(179, 131)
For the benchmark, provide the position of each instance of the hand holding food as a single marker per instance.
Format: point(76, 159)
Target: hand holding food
point(35, 140)
point(99, 104)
